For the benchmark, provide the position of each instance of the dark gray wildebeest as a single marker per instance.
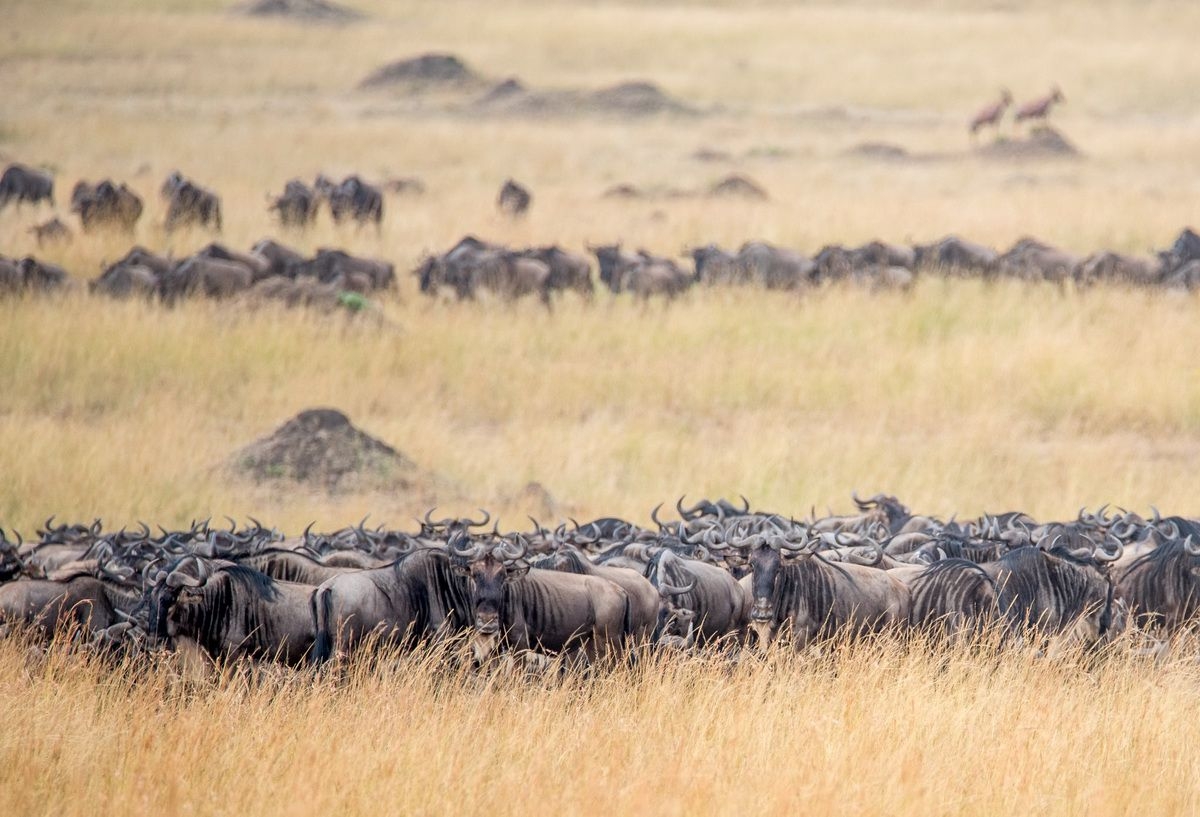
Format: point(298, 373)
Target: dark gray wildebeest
point(68, 599)
point(1067, 596)
point(210, 277)
point(775, 267)
point(351, 272)
point(1162, 587)
point(352, 199)
point(21, 183)
point(716, 267)
point(1112, 267)
point(955, 255)
point(875, 264)
point(568, 271)
point(452, 268)
point(190, 204)
point(513, 200)
point(517, 609)
point(30, 275)
point(416, 598)
point(296, 205)
point(54, 231)
point(231, 612)
point(643, 596)
point(1183, 252)
point(798, 594)
point(281, 259)
point(106, 204)
point(712, 601)
point(138, 274)
point(291, 566)
point(1032, 260)
point(641, 274)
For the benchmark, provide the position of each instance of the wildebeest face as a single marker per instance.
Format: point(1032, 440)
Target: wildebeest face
point(486, 578)
point(765, 566)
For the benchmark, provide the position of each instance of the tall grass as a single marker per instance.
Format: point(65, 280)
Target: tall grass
point(857, 729)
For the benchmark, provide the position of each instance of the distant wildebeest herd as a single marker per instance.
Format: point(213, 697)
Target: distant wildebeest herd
point(720, 575)
point(474, 266)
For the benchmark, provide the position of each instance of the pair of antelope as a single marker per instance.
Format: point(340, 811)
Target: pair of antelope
point(1037, 109)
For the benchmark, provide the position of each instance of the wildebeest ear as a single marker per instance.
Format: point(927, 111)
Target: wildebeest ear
point(460, 569)
point(518, 568)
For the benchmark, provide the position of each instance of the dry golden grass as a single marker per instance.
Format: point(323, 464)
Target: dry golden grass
point(957, 397)
point(876, 728)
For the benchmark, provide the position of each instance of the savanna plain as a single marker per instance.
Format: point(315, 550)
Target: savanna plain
point(956, 396)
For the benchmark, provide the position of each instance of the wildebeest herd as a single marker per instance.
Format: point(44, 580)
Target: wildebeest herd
point(474, 266)
point(721, 574)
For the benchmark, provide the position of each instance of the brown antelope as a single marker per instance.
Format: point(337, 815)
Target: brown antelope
point(992, 114)
point(1040, 108)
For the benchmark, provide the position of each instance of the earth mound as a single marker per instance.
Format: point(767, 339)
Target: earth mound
point(1043, 142)
point(322, 449)
point(736, 186)
point(627, 99)
point(879, 150)
point(319, 11)
point(635, 99)
point(422, 72)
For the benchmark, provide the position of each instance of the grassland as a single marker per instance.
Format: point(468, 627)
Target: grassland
point(958, 397)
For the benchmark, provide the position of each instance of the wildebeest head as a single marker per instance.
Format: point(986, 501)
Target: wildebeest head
point(488, 566)
point(766, 556)
point(165, 587)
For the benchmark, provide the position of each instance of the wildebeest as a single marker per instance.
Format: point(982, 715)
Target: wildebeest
point(417, 597)
point(796, 591)
point(1061, 593)
point(715, 266)
point(330, 265)
point(516, 608)
point(1112, 267)
point(211, 277)
point(641, 274)
point(296, 205)
point(643, 596)
point(54, 231)
point(21, 183)
point(716, 604)
point(231, 612)
point(954, 254)
point(775, 267)
point(82, 601)
point(1162, 587)
point(188, 203)
point(567, 271)
point(1032, 260)
point(137, 274)
point(281, 259)
point(513, 200)
point(106, 204)
point(352, 198)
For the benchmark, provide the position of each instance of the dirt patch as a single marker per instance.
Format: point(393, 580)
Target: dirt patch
point(627, 99)
point(879, 150)
point(321, 449)
point(308, 11)
point(623, 191)
point(1043, 142)
point(424, 72)
point(737, 186)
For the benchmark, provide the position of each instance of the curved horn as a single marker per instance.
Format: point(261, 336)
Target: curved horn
point(487, 517)
point(1192, 548)
point(1101, 555)
point(688, 513)
point(654, 516)
point(672, 590)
